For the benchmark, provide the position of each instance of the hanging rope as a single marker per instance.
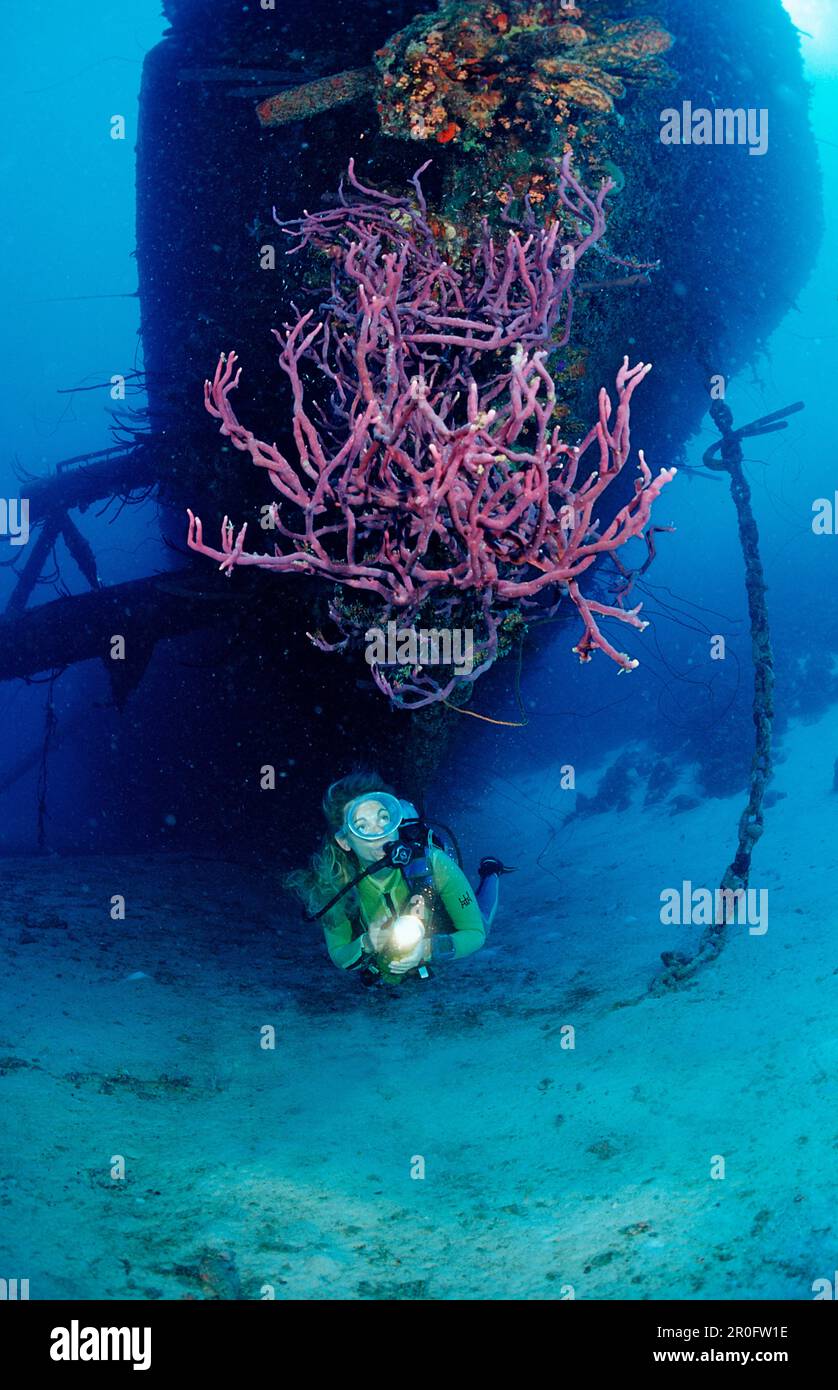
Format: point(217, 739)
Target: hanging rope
point(503, 723)
point(727, 455)
point(487, 719)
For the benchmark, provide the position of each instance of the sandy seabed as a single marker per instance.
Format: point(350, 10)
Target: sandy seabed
point(549, 1171)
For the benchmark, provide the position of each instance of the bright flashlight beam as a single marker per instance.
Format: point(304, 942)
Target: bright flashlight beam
point(407, 932)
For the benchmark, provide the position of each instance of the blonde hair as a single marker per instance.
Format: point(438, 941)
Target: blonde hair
point(332, 867)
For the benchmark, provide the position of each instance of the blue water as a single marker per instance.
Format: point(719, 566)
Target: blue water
point(68, 278)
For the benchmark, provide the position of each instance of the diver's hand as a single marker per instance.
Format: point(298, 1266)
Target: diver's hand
point(402, 964)
point(374, 939)
point(419, 907)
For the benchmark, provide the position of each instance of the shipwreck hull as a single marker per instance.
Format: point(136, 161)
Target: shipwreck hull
point(247, 688)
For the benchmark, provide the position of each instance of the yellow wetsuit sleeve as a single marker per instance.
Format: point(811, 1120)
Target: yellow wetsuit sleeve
point(457, 894)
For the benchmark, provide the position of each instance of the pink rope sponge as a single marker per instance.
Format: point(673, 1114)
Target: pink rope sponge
point(433, 481)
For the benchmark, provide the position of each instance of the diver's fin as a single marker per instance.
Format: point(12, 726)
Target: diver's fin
point(489, 865)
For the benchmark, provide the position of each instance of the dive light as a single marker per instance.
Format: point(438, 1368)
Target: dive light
point(406, 933)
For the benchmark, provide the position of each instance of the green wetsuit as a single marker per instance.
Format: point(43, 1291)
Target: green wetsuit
point(381, 896)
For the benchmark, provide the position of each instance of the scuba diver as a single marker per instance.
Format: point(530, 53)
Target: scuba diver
point(392, 900)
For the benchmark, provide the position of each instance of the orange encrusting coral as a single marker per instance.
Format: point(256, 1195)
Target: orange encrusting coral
point(474, 65)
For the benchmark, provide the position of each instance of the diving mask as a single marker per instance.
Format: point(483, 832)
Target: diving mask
point(373, 817)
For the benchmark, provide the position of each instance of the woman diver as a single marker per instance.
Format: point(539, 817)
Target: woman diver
point(392, 902)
